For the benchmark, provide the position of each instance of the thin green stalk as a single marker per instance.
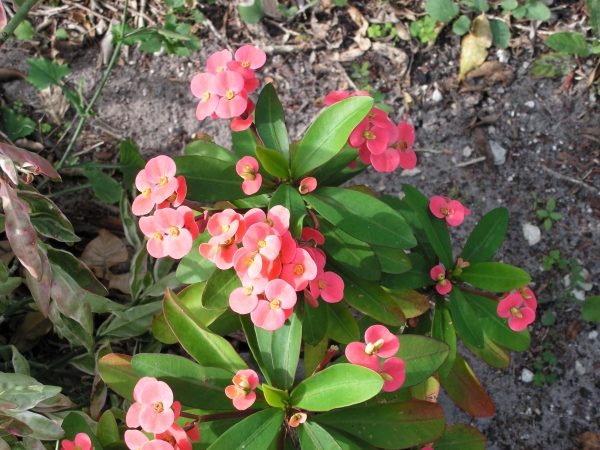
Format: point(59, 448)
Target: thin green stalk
point(73, 189)
point(15, 307)
point(66, 358)
point(19, 17)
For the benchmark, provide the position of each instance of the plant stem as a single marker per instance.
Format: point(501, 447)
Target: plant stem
point(68, 357)
point(482, 294)
point(73, 189)
point(331, 351)
point(221, 416)
point(19, 17)
point(193, 206)
point(15, 307)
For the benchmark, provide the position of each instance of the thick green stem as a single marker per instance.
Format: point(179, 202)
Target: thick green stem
point(19, 17)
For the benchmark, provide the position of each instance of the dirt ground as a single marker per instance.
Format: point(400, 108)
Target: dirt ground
point(551, 137)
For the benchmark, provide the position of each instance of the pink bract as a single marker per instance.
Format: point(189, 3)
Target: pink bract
point(221, 253)
point(452, 210)
point(311, 233)
point(307, 185)
point(379, 343)
point(329, 286)
point(136, 440)
point(438, 274)
point(270, 314)
point(203, 87)
point(297, 419)
point(178, 434)
point(223, 225)
point(377, 333)
point(278, 217)
point(160, 171)
point(393, 373)
point(247, 168)
point(528, 297)
point(243, 300)
point(518, 316)
point(260, 238)
point(217, 62)
point(230, 87)
point(387, 161)
point(355, 352)
point(143, 203)
point(244, 382)
point(250, 57)
point(239, 124)
point(335, 96)
point(156, 416)
point(300, 270)
point(81, 441)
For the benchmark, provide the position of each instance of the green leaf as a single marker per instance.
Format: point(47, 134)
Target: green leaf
point(461, 436)
point(313, 437)
point(593, 7)
point(591, 309)
point(461, 25)
point(551, 204)
point(244, 142)
point(130, 161)
point(289, 197)
point(492, 354)
point(315, 323)
point(465, 320)
point(536, 10)
point(335, 387)
point(219, 287)
point(210, 150)
point(509, 5)
point(253, 12)
point(26, 397)
point(556, 216)
point(569, 43)
point(479, 6)
point(496, 327)
point(47, 225)
point(415, 278)
point(256, 432)
point(392, 260)
point(500, 33)
point(390, 426)
point(43, 73)
point(313, 355)
point(548, 318)
point(108, 431)
point(74, 424)
point(276, 397)
point(463, 387)
point(341, 324)
point(252, 339)
point(410, 302)
point(132, 322)
point(117, 372)
point(354, 255)
point(193, 385)
point(441, 10)
point(327, 173)
point(130, 224)
point(442, 329)
point(15, 125)
point(76, 270)
point(487, 237)
point(552, 65)
point(435, 229)
point(273, 162)
point(105, 187)
point(270, 124)
point(423, 356)
point(193, 267)
point(345, 440)
point(24, 31)
point(362, 217)
point(329, 132)
point(206, 348)
point(494, 276)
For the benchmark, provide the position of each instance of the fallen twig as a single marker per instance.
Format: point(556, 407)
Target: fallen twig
point(560, 176)
point(471, 161)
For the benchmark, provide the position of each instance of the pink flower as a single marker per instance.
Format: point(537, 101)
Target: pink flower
point(438, 274)
point(245, 299)
point(229, 86)
point(244, 382)
point(329, 286)
point(81, 442)
point(203, 87)
point(156, 415)
point(248, 262)
point(519, 316)
point(160, 171)
point(387, 161)
point(269, 314)
point(308, 185)
point(379, 343)
point(217, 62)
point(528, 297)
point(406, 138)
point(239, 124)
point(260, 238)
point(278, 218)
point(247, 168)
point(189, 221)
point(337, 96)
point(300, 270)
point(177, 197)
point(136, 440)
point(176, 437)
point(143, 203)
point(452, 210)
point(224, 225)
point(167, 233)
point(247, 58)
point(297, 419)
point(222, 253)
point(133, 414)
point(376, 138)
point(309, 234)
point(393, 374)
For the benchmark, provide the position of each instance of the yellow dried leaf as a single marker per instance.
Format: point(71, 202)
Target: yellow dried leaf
point(33, 327)
point(104, 252)
point(122, 282)
point(474, 46)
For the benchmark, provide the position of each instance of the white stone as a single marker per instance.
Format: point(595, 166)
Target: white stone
point(499, 153)
point(467, 151)
point(592, 335)
point(437, 96)
point(579, 294)
point(579, 368)
point(503, 56)
point(530, 104)
point(526, 376)
point(532, 233)
point(410, 173)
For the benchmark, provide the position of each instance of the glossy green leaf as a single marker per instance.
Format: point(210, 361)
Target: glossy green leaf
point(341, 324)
point(131, 322)
point(410, 302)
point(346, 174)
point(108, 431)
point(206, 348)
point(435, 229)
point(26, 397)
point(289, 197)
point(193, 267)
point(461, 436)
point(415, 278)
point(130, 224)
point(346, 441)
point(69, 298)
point(117, 372)
point(354, 255)
point(442, 329)
point(193, 385)
point(423, 356)
point(461, 25)
point(441, 10)
point(225, 323)
point(19, 363)
point(335, 387)
point(219, 287)
point(46, 225)
point(362, 217)
point(329, 132)
point(270, 123)
point(327, 173)
point(315, 323)
point(140, 277)
point(427, 390)
point(130, 162)
point(463, 387)
point(273, 162)
point(494, 276)
point(105, 187)
point(392, 260)
point(464, 319)
point(74, 424)
point(10, 285)
point(569, 43)
point(390, 426)
point(276, 397)
point(210, 150)
point(500, 33)
point(41, 203)
point(244, 143)
point(487, 237)
point(496, 327)
point(76, 270)
point(492, 354)
point(313, 355)
point(314, 437)
point(253, 343)
point(253, 433)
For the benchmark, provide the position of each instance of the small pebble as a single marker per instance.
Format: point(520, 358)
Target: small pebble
point(410, 173)
point(467, 151)
point(532, 233)
point(527, 376)
point(592, 335)
point(499, 153)
point(437, 96)
point(579, 368)
point(530, 104)
point(503, 56)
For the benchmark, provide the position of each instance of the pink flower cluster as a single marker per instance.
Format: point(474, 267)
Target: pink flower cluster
point(241, 391)
point(155, 411)
point(379, 141)
point(81, 442)
point(380, 343)
point(452, 210)
point(172, 227)
point(271, 264)
point(519, 308)
point(223, 91)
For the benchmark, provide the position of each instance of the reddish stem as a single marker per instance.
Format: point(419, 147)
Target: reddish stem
point(331, 351)
point(221, 416)
point(482, 294)
point(244, 116)
point(193, 206)
point(313, 216)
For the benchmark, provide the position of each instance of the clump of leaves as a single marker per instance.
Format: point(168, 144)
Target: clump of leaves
point(548, 215)
point(546, 364)
point(361, 75)
point(376, 30)
point(424, 29)
point(548, 261)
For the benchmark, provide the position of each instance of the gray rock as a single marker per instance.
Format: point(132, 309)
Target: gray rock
point(532, 233)
point(499, 153)
point(526, 376)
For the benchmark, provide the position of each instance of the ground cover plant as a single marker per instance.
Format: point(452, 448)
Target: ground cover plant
point(347, 304)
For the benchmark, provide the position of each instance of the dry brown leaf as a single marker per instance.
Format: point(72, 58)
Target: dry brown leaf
point(349, 55)
point(54, 104)
point(481, 144)
point(104, 252)
point(408, 101)
point(398, 57)
point(474, 46)
point(588, 441)
point(29, 332)
point(10, 74)
point(32, 146)
point(493, 73)
point(573, 330)
point(120, 282)
point(402, 31)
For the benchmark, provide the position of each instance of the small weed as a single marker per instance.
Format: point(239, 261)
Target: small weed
point(376, 31)
point(548, 215)
point(545, 369)
point(424, 29)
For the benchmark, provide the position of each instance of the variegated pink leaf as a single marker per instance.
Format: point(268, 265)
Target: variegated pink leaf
point(8, 168)
point(40, 290)
point(27, 159)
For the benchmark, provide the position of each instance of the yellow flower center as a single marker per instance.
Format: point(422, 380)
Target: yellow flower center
point(220, 69)
point(245, 64)
point(303, 189)
point(77, 447)
point(262, 244)
point(170, 439)
point(248, 290)
point(322, 284)
point(174, 231)
point(402, 146)
point(163, 180)
point(368, 135)
point(229, 94)
point(443, 282)
point(275, 303)
point(206, 96)
point(250, 260)
point(224, 228)
point(386, 376)
point(269, 222)
point(158, 407)
point(515, 312)
point(146, 192)
point(298, 269)
point(157, 236)
point(523, 292)
point(446, 211)
point(172, 198)
point(227, 243)
point(373, 349)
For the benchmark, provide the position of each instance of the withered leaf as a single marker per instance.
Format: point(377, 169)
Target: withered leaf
point(104, 252)
point(474, 47)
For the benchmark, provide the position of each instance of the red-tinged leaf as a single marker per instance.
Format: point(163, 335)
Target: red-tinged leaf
point(32, 161)
point(21, 234)
point(492, 353)
point(464, 388)
point(40, 290)
point(461, 437)
point(3, 20)
point(410, 302)
point(6, 163)
point(117, 372)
